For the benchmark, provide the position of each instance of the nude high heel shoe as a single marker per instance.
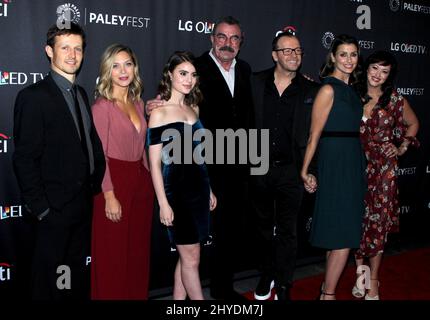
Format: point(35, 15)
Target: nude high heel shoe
point(367, 297)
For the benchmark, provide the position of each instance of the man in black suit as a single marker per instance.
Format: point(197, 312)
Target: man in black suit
point(227, 103)
point(59, 164)
point(283, 103)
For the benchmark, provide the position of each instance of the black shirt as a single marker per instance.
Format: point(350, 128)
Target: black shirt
point(278, 118)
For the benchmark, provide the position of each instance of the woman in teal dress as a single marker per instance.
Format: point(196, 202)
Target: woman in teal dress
point(182, 188)
point(340, 185)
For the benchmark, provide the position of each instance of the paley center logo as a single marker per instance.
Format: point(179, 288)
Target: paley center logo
point(5, 271)
point(410, 91)
point(199, 26)
point(69, 12)
point(406, 171)
point(9, 212)
point(3, 143)
point(328, 38)
point(4, 5)
point(19, 78)
point(398, 5)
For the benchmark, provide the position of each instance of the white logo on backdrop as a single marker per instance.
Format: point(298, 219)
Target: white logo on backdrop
point(68, 12)
point(327, 39)
point(395, 5)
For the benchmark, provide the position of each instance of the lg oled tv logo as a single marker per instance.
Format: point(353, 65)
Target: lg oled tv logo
point(5, 271)
point(4, 6)
point(19, 78)
point(398, 5)
point(10, 212)
point(405, 210)
point(200, 26)
point(68, 13)
point(3, 143)
point(409, 48)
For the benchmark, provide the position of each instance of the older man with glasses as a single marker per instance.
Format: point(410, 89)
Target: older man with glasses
point(225, 84)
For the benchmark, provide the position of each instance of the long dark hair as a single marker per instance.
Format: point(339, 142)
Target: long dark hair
point(328, 67)
point(165, 87)
point(385, 59)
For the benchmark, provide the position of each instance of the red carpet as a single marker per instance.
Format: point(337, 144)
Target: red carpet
point(404, 276)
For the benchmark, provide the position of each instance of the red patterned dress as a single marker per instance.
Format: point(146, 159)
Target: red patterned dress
point(381, 216)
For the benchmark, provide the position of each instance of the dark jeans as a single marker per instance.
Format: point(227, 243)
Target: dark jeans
point(63, 238)
point(276, 197)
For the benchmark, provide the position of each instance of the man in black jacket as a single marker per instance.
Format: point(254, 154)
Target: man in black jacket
point(59, 164)
point(227, 104)
point(282, 103)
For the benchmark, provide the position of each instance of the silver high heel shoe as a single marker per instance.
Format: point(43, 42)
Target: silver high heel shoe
point(367, 297)
point(357, 292)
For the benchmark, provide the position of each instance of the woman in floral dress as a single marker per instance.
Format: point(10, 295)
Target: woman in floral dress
point(388, 128)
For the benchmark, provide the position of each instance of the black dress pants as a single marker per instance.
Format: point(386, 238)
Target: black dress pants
point(229, 230)
point(63, 239)
point(277, 197)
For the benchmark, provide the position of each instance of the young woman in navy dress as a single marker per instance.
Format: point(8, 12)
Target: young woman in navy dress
point(183, 191)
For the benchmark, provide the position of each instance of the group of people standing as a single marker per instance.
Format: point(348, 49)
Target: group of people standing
point(68, 154)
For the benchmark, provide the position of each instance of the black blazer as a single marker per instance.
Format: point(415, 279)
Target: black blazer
point(48, 160)
point(219, 110)
point(303, 102)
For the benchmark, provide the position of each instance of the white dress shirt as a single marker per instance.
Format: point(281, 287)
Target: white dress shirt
point(228, 75)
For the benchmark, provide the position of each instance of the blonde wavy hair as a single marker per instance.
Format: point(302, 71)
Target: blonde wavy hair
point(104, 85)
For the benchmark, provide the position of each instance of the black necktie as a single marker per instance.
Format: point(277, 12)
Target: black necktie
point(80, 121)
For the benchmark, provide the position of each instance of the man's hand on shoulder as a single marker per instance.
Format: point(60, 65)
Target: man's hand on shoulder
point(152, 104)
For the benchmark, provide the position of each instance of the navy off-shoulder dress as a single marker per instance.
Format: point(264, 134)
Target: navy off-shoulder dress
point(186, 182)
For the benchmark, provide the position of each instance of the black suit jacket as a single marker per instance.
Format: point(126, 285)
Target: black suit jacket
point(220, 110)
point(303, 102)
point(49, 163)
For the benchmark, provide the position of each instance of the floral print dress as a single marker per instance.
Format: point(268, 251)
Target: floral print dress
point(381, 216)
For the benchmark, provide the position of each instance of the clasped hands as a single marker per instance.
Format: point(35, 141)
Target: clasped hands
point(310, 182)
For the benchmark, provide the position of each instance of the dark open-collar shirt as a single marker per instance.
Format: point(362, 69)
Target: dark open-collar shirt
point(278, 118)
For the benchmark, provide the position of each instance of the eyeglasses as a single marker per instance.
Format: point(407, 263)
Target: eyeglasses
point(288, 51)
point(221, 37)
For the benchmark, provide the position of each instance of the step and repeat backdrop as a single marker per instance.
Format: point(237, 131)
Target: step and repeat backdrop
point(156, 28)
